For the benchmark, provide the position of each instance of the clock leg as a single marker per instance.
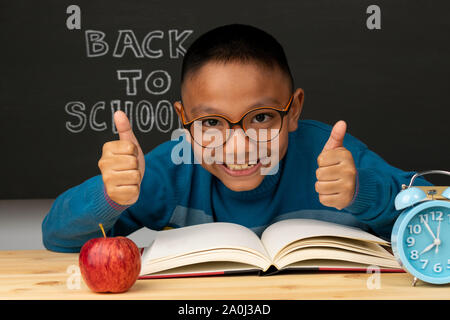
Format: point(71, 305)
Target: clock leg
point(414, 281)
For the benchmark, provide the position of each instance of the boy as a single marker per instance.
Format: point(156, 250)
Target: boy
point(235, 84)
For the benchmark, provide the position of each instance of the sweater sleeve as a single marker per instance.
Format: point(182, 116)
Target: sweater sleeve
point(75, 214)
point(377, 185)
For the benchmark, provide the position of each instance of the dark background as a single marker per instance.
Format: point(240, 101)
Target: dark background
point(391, 85)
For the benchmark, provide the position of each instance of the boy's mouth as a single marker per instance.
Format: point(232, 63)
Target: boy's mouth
point(241, 169)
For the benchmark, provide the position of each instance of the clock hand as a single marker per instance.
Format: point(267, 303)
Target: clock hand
point(428, 248)
point(429, 229)
point(438, 241)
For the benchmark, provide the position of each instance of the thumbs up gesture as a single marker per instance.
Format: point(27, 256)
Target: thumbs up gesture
point(336, 174)
point(122, 163)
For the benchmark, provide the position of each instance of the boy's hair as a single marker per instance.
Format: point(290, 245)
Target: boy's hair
point(235, 43)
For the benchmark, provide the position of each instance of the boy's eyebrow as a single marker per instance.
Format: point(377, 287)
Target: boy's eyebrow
point(205, 109)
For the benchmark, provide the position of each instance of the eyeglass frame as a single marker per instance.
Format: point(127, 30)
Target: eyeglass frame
point(283, 112)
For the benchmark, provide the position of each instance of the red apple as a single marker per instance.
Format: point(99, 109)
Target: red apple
point(110, 264)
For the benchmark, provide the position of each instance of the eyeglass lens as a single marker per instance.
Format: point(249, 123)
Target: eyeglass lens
point(260, 125)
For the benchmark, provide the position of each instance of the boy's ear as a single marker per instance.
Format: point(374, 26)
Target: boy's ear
point(296, 109)
point(178, 109)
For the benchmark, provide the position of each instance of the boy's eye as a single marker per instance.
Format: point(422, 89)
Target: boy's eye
point(262, 117)
point(210, 122)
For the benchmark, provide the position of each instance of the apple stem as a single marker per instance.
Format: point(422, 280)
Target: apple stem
point(103, 230)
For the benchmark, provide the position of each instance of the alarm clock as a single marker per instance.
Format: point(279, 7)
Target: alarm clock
point(420, 237)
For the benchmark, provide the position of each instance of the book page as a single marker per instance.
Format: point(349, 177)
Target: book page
point(202, 268)
point(334, 254)
point(323, 264)
point(207, 236)
point(365, 247)
point(282, 233)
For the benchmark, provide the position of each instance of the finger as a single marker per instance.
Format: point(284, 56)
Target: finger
point(124, 194)
point(328, 187)
point(331, 173)
point(123, 127)
point(120, 147)
point(121, 162)
point(330, 200)
point(343, 172)
point(128, 190)
point(337, 135)
point(333, 157)
point(127, 177)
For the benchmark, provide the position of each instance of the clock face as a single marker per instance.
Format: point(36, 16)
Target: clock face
point(426, 244)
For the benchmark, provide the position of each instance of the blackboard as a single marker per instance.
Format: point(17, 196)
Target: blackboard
point(391, 84)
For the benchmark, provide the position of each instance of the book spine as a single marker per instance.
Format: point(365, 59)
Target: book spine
point(388, 270)
point(198, 274)
point(183, 275)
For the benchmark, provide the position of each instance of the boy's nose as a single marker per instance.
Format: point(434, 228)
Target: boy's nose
point(237, 137)
point(240, 146)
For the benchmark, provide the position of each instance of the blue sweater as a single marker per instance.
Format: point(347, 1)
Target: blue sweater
point(178, 195)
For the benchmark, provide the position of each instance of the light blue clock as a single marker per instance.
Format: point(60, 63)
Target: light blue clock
point(421, 234)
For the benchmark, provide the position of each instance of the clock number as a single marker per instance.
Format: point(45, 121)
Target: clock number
point(437, 267)
point(425, 263)
point(411, 241)
point(415, 229)
point(436, 216)
point(423, 218)
point(414, 254)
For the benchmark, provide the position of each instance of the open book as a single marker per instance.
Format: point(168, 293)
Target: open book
point(304, 244)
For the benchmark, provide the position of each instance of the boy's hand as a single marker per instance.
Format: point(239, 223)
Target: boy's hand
point(122, 163)
point(337, 172)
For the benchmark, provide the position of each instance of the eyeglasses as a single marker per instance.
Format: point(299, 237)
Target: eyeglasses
point(261, 124)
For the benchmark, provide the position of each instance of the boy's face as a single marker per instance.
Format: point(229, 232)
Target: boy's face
point(231, 90)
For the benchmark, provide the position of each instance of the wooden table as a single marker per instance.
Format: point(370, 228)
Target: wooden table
point(41, 274)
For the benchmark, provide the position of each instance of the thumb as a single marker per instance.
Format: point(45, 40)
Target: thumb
point(337, 135)
point(123, 127)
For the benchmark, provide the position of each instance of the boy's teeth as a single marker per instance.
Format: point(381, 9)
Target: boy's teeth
point(239, 166)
